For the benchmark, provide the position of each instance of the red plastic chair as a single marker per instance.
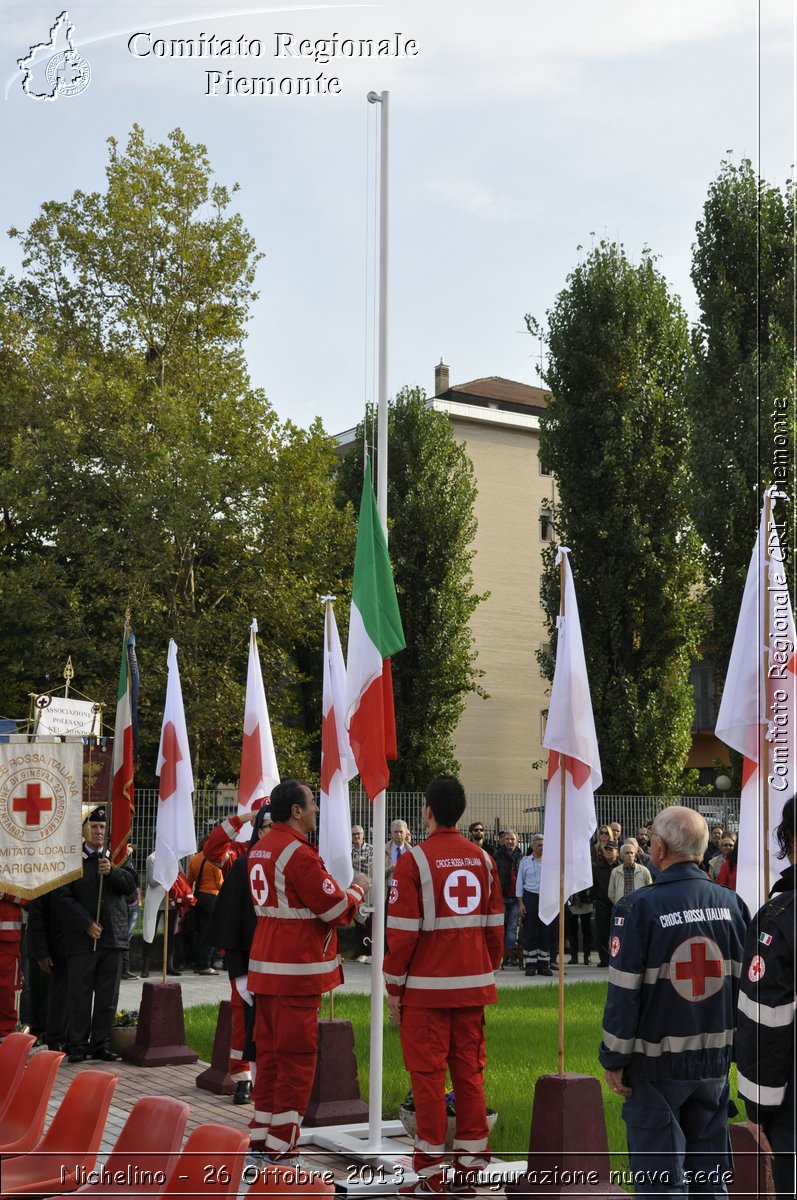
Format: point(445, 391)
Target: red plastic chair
point(145, 1150)
point(289, 1181)
point(13, 1056)
point(71, 1144)
point(211, 1163)
point(22, 1125)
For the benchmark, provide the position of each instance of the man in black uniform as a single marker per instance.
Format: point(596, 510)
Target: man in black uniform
point(94, 943)
point(765, 1038)
point(668, 1026)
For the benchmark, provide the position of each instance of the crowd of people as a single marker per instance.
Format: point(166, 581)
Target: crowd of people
point(692, 981)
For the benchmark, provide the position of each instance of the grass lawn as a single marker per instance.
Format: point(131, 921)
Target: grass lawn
point(521, 1046)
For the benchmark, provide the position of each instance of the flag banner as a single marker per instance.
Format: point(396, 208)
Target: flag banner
point(570, 737)
point(175, 835)
point(63, 716)
point(122, 798)
point(97, 768)
point(40, 817)
point(337, 761)
point(375, 633)
point(760, 692)
point(259, 772)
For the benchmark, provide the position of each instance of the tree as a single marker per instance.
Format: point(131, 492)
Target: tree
point(142, 469)
point(431, 495)
point(615, 436)
point(741, 387)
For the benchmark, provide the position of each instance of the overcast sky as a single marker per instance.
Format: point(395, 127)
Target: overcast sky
point(521, 130)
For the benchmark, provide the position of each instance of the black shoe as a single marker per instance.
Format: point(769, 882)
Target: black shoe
point(145, 973)
point(573, 961)
point(77, 1057)
point(544, 971)
point(587, 961)
point(243, 1092)
point(129, 975)
point(174, 971)
point(530, 970)
point(106, 1056)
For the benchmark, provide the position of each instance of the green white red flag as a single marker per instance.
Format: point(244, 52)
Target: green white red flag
point(123, 763)
point(375, 633)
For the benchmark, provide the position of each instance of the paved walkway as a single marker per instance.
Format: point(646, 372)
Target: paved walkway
point(180, 1081)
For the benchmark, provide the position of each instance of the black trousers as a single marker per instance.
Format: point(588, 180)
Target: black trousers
point(572, 922)
point(603, 923)
point(94, 978)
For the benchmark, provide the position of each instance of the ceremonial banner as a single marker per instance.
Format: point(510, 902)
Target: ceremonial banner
point(40, 816)
point(61, 716)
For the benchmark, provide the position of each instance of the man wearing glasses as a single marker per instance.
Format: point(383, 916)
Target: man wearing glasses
point(476, 835)
point(668, 1026)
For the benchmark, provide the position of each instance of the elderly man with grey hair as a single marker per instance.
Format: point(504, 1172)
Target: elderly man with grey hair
point(399, 844)
point(668, 1026)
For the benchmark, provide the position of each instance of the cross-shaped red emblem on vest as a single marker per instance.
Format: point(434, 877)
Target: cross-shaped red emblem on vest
point(33, 804)
point(462, 891)
point(698, 968)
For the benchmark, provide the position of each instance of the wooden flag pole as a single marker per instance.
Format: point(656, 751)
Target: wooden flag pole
point(560, 1053)
point(766, 634)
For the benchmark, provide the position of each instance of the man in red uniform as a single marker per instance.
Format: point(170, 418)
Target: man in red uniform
point(446, 934)
point(293, 961)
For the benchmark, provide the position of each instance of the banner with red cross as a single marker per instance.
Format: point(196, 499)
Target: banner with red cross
point(41, 786)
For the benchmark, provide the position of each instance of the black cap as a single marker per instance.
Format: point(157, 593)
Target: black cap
point(610, 845)
point(97, 814)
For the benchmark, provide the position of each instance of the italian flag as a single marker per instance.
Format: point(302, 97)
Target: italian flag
point(123, 757)
point(375, 633)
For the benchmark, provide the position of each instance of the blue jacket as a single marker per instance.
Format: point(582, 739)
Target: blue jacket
point(676, 955)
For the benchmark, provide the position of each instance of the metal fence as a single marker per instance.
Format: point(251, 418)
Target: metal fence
point(525, 814)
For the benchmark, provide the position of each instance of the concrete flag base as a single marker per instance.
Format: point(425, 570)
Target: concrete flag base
point(161, 1029)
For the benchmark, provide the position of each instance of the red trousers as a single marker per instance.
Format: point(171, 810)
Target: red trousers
point(286, 1037)
point(238, 1065)
point(434, 1039)
point(9, 982)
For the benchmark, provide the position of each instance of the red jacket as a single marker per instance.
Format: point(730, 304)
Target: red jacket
point(298, 904)
point(221, 848)
point(10, 917)
point(445, 924)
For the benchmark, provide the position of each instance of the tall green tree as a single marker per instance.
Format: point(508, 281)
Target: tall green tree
point(142, 469)
point(431, 495)
point(615, 435)
point(741, 401)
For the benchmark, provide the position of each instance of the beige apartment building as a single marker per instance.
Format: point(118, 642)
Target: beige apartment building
point(499, 740)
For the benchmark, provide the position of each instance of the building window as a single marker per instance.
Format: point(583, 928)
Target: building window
point(544, 469)
point(701, 678)
point(546, 525)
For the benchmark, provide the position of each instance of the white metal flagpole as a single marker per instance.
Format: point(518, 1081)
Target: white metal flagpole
point(378, 888)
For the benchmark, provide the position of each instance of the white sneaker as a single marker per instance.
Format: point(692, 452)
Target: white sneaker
point(362, 958)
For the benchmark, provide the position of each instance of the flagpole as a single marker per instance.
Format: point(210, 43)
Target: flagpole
point(560, 1052)
point(378, 888)
point(766, 632)
point(165, 935)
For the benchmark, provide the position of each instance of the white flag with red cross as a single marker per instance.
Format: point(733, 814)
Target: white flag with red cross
point(570, 737)
point(175, 835)
point(259, 771)
point(759, 696)
point(337, 761)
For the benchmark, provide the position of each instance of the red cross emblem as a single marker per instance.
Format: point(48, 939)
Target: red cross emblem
point(462, 891)
point(32, 804)
point(258, 884)
point(697, 968)
point(756, 969)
